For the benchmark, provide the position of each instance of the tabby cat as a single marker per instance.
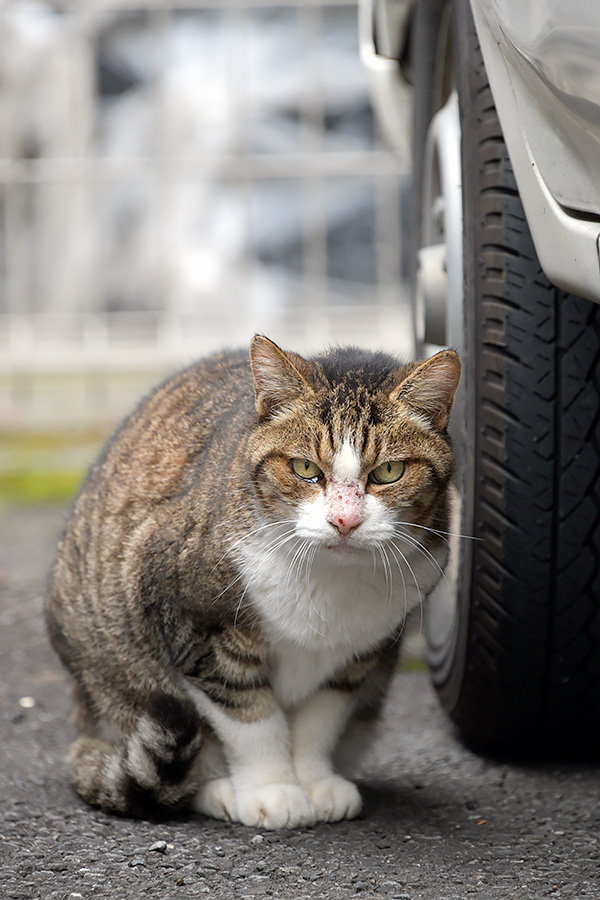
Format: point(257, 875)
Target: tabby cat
point(230, 588)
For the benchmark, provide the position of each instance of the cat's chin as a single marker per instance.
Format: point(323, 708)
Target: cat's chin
point(344, 550)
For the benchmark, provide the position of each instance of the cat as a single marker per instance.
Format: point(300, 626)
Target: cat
point(231, 586)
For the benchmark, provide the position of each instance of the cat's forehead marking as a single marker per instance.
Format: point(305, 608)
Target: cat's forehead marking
point(347, 462)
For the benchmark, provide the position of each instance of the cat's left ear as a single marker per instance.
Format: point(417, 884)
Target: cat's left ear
point(429, 389)
point(277, 381)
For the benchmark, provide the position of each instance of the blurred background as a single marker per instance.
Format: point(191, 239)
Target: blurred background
point(173, 179)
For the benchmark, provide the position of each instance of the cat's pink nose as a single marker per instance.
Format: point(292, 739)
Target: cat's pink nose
point(344, 503)
point(345, 524)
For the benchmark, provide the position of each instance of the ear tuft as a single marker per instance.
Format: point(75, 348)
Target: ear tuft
point(429, 389)
point(277, 381)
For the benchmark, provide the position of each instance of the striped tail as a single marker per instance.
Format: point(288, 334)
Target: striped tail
point(152, 769)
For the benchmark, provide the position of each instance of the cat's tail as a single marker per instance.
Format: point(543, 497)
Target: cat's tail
point(151, 769)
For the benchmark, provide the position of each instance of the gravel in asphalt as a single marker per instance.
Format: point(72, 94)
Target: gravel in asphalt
point(439, 823)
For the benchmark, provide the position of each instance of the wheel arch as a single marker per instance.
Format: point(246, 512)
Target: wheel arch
point(567, 242)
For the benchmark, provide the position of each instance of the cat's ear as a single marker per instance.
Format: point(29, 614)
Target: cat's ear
point(429, 389)
point(277, 381)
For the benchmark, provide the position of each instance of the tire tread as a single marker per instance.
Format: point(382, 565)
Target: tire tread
point(532, 664)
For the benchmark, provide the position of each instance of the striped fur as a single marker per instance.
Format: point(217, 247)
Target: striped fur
point(227, 622)
point(152, 767)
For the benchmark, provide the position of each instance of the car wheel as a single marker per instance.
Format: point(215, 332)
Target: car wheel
point(514, 632)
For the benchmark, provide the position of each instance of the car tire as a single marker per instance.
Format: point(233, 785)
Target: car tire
point(518, 668)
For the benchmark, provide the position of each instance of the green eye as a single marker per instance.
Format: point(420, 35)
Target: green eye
point(306, 469)
point(387, 472)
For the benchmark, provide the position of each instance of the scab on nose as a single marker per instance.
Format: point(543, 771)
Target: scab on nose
point(344, 505)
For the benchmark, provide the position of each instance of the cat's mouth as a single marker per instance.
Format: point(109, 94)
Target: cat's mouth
point(344, 547)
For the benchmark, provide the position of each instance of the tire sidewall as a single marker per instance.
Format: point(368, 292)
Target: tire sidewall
point(447, 658)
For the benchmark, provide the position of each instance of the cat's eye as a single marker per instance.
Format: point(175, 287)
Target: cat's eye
point(388, 472)
point(306, 469)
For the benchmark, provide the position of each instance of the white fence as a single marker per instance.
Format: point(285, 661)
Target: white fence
point(174, 178)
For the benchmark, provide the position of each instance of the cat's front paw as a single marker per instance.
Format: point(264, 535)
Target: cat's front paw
point(216, 799)
point(334, 798)
point(275, 806)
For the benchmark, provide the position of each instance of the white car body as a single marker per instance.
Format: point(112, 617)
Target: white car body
point(543, 63)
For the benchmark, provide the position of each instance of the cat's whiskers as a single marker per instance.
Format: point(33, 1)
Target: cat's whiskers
point(404, 561)
point(311, 553)
point(296, 560)
point(387, 571)
point(417, 545)
point(239, 542)
point(304, 555)
point(272, 548)
point(414, 542)
point(303, 559)
point(310, 561)
point(439, 533)
point(403, 581)
point(227, 588)
point(305, 563)
point(421, 548)
point(245, 537)
point(374, 557)
point(240, 604)
point(278, 541)
point(298, 552)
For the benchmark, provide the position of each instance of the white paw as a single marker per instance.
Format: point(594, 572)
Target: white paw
point(275, 806)
point(216, 798)
point(334, 798)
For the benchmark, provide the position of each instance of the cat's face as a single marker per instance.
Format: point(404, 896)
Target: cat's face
point(350, 447)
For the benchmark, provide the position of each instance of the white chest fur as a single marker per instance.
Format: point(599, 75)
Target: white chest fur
point(321, 614)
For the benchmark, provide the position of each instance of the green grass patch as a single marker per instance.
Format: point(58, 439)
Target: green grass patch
point(45, 467)
point(26, 441)
point(411, 664)
point(30, 487)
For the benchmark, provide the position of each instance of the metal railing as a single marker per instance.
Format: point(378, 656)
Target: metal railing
point(176, 178)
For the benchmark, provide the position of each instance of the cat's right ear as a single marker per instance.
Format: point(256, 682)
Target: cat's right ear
point(277, 381)
point(430, 387)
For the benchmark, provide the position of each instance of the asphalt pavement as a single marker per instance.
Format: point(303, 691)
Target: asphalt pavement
point(439, 823)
